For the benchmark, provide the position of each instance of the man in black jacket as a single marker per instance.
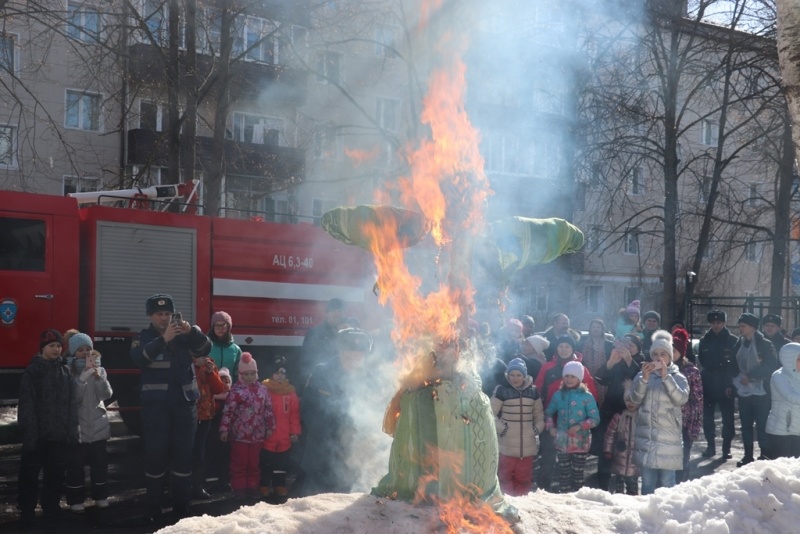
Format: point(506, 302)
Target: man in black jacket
point(716, 359)
point(771, 327)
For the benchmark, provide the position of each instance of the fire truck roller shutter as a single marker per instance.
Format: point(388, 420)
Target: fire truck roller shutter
point(135, 261)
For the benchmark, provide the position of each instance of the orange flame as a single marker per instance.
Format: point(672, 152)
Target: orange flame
point(448, 186)
point(460, 508)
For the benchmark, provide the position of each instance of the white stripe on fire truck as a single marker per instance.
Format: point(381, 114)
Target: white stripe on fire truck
point(268, 341)
point(277, 290)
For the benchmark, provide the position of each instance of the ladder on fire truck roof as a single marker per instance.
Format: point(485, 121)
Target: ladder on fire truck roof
point(184, 195)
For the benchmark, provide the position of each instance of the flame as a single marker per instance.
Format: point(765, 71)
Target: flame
point(448, 186)
point(462, 511)
point(358, 156)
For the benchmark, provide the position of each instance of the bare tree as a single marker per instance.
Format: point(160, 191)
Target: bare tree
point(689, 101)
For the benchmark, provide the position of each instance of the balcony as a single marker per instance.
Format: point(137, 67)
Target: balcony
point(249, 79)
point(147, 147)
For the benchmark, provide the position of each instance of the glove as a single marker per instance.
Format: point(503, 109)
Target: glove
point(86, 374)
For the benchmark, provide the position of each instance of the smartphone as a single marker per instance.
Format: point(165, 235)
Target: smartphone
point(657, 365)
point(177, 318)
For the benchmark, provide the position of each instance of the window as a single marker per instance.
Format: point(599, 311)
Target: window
point(247, 196)
point(501, 151)
point(154, 16)
point(8, 146)
point(256, 129)
point(548, 100)
point(709, 133)
point(594, 299)
point(752, 252)
point(259, 39)
point(326, 144)
point(149, 175)
point(279, 209)
point(593, 238)
point(754, 195)
point(703, 190)
point(153, 116)
point(386, 113)
point(632, 293)
point(83, 111)
point(8, 53)
point(546, 158)
point(329, 67)
point(319, 207)
point(386, 41)
point(22, 244)
point(710, 251)
point(631, 246)
point(83, 22)
point(596, 178)
point(79, 184)
point(636, 182)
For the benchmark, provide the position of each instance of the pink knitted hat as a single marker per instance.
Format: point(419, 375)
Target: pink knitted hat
point(247, 363)
point(221, 317)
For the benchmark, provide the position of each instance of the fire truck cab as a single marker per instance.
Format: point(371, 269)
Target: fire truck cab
point(63, 266)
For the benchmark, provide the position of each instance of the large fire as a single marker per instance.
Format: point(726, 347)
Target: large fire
point(447, 185)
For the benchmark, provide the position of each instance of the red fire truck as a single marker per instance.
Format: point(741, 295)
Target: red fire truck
point(91, 267)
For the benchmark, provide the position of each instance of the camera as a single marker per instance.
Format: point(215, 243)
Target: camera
point(657, 365)
point(177, 318)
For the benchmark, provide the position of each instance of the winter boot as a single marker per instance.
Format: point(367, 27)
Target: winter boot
point(748, 456)
point(198, 479)
point(726, 449)
point(710, 451)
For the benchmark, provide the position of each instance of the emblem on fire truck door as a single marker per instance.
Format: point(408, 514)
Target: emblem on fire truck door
point(8, 311)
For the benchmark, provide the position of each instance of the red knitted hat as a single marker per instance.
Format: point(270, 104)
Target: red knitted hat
point(680, 340)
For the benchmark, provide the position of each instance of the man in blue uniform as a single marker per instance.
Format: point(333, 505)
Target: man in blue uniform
point(169, 393)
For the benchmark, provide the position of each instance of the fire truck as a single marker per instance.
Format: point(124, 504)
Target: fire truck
point(90, 260)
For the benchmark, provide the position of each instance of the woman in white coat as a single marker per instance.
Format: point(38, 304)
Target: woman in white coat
point(783, 423)
point(659, 390)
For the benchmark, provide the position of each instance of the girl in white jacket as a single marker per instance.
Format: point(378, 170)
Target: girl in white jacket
point(89, 389)
point(783, 423)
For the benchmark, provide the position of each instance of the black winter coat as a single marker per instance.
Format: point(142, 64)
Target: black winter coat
point(766, 355)
point(718, 360)
point(46, 411)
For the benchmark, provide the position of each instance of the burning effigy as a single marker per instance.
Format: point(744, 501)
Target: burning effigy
point(444, 448)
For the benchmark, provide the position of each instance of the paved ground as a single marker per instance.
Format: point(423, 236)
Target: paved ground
point(126, 479)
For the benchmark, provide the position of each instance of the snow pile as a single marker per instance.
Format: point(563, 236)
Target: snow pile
point(763, 497)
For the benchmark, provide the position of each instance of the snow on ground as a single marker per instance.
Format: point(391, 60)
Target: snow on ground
point(761, 498)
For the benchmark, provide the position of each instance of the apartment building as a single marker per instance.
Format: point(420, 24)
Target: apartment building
point(324, 99)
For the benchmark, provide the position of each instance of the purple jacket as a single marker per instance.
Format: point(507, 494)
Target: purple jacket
point(247, 415)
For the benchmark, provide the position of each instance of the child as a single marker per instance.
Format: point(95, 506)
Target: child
point(783, 422)
point(276, 454)
point(659, 390)
point(209, 384)
point(248, 419)
point(519, 418)
point(218, 454)
point(692, 411)
point(47, 424)
point(628, 320)
point(618, 447)
point(577, 414)
point(90, 388)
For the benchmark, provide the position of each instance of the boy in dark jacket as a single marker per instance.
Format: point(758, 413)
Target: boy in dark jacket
point(46, 421)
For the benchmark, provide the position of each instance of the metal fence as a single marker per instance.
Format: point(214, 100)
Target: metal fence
point(734, 306)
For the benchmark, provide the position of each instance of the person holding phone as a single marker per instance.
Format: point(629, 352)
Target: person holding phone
point(659, 391)
point(90, 388)
point(164, 352)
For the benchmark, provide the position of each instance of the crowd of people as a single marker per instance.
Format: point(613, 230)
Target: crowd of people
point(636, 398)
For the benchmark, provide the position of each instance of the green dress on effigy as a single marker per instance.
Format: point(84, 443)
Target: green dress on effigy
point(449, 418)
